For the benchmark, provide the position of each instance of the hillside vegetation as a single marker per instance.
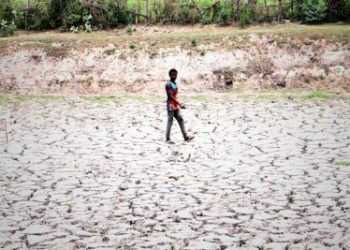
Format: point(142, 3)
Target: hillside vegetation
point(91, 15)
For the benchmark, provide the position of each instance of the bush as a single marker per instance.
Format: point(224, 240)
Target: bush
point(312, 11)
point(6, 28)
point(224, 17)
point(6, 11)
point(206, 19)
point(245, 18)
point(341, 13)
point(72, 14)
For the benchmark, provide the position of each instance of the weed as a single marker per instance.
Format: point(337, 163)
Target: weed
point(194, 42)
point(132, 45)
point(129, 30)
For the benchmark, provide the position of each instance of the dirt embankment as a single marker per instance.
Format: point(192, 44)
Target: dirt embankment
point(252, 62)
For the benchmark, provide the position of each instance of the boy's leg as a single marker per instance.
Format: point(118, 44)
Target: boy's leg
point(180, 120)
point(169, 124)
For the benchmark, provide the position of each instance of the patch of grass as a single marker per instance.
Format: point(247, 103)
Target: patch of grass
point(101, 99)
point(50, 97)
point(134, 98)
point(317, 94)
point(201, 98)
point(343, 163)
point(23, 98)
point(3, 99)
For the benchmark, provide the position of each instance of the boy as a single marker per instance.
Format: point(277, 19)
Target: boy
point(173, 107)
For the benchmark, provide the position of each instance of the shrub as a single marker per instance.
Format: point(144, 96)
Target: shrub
point(6, 28)
point(72, 15)
point(6, 11)
point(312, 11)
point(224, 17)
point(205, 19)
point(341, 13)
point(245, 18)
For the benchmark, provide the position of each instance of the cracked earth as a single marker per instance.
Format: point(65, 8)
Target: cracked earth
point(258, 175)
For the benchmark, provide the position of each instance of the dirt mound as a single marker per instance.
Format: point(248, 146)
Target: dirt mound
point(259, 62)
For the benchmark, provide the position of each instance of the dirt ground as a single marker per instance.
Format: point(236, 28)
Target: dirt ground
point(260, 174)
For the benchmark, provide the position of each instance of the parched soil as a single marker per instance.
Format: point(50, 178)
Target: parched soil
point(79, 174)
point(208, 58)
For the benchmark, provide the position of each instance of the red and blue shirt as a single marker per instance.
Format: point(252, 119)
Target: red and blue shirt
point(170, 104)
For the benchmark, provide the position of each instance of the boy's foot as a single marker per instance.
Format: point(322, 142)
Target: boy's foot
point(189, 138)
point(169, 141)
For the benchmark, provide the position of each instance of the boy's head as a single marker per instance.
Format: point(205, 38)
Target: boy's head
point(173, 74)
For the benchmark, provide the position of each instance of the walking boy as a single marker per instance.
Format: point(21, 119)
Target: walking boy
point(173, 107)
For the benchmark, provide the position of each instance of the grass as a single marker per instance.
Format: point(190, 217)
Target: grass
point(343, 163)
point(331, 32)
point(317, 94)
point(201, 98)
point(206, 97)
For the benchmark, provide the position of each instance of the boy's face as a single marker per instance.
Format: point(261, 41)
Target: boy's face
point(173, 76)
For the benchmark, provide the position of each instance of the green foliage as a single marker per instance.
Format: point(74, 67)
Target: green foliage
point(187, 15)
point(224, 17)
point(56, 10)
point(312, 11)
point(245, 18)
point(72, 15)
point(6, 11)
point(341, 13)
point(205, 19)
point(6, 28)
point(88, 15)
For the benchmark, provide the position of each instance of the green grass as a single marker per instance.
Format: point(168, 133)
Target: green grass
point(317, 94)
point(343, 163)
point(331, 32)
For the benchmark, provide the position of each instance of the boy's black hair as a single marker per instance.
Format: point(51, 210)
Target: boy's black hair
point(172, 70)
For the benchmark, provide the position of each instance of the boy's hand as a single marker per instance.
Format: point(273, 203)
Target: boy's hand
point(182, 106)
